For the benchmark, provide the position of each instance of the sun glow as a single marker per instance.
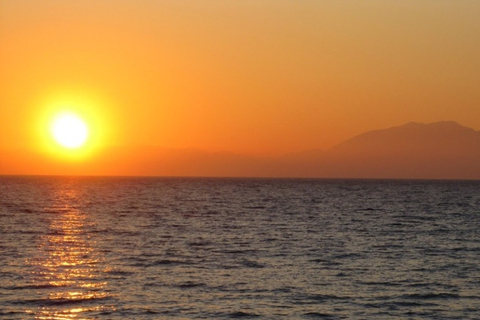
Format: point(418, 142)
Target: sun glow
point(69, 131)
point(72, 128)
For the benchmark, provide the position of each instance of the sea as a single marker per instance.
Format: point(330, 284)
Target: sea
point(235, 248)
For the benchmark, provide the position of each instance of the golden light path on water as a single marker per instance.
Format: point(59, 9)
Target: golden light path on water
point(67, 263)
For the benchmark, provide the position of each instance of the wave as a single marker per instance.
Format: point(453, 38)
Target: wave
point(242, 315)
point(63, 301)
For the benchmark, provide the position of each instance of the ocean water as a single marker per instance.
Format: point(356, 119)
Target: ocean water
point(195, 248)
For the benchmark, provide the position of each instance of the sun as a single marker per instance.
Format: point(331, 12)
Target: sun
point(69, 130)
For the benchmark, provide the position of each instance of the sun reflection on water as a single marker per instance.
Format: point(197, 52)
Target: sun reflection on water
point(67, 267)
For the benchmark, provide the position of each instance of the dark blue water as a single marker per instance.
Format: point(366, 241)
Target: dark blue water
point(173, 248)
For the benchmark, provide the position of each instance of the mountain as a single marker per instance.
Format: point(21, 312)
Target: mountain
point(439, 138)
point(442, 150)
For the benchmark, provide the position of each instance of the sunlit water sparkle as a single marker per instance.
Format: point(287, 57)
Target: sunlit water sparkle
point(162, 248)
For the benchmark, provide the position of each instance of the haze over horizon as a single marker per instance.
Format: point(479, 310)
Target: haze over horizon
point(441, 150)
point(250, 79)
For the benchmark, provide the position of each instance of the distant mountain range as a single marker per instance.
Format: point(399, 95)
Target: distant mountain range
point(441, 150)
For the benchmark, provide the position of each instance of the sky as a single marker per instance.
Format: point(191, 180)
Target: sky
point(256, 77)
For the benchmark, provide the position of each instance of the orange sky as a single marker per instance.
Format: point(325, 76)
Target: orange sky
point(254, 77)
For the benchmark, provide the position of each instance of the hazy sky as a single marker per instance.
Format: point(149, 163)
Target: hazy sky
point(250, 76)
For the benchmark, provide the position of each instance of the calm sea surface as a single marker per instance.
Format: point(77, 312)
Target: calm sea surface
point(173, 248)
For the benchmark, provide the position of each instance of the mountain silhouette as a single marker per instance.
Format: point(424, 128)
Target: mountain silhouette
point(441, 150)
point(446, 137)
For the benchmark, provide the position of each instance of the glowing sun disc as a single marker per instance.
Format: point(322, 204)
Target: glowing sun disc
point(69, 130)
